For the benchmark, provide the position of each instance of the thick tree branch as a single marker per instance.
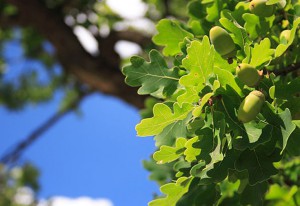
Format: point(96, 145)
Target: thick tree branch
point(98, 73)
point(14, 154)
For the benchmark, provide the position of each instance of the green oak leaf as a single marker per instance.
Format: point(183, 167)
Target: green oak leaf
point(171, 132)
point(287, 127)
point(191, 152)
point(151, 76)
point(257, 26)
point(198, 109)
point(222, 63)
point(254, 195)
point(168, 154)
point(226, 78)
point(213, 11)
point(159, 173)
point(281, 48)
point(173, 191)
point(271, 2)
point(195, 9)
point(216, 155)
point(199, 62)
point(297, 123)
point(200, 195)
point(163, 117)
point(284, 90)
point(261, 53)
point(170, 34)
point(239, 36)
point(258, 163)
point(281, 193)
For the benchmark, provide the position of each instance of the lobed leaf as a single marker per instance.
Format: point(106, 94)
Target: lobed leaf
point(281, 48)
point(151, 76)
point(261, 53)
point(163, 117)
point(168, 154)
point(199, 63)
point(170, 34)
point(173, 191)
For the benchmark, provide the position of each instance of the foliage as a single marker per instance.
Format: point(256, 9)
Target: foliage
point(18, 185)
point(213, 158)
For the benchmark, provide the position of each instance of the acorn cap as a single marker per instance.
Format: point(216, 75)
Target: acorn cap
point(259, 94)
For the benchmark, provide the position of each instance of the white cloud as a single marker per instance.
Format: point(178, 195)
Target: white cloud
point(129, 9)
point(81, 201)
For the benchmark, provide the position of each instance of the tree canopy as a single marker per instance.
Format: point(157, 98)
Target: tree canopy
point(218, 83)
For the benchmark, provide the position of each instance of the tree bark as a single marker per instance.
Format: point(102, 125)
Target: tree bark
point(100, 73)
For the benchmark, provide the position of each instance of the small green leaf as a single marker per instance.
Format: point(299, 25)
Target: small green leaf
point(198, 109)
point(168, 154)
point(163, 117)
point(170, 34)
point(239, 36)
point(191, 151)
point(257, 26)
point(227, 78)
point(281, 48)
point(173, 191)
point(286, 127)
point(151, 76)
point(261, 53)
point(271, 2)
point(199, 62)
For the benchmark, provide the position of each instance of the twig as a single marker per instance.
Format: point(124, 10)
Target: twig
point(285, 71)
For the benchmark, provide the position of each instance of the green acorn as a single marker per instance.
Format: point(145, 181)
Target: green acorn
point(248, 74)
point(260, 8)
point(222, 42)
point(251, 106)
point(285, 36)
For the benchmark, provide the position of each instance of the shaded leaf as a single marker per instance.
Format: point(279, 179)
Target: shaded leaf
point(151, 76)
point(254, 195)
point(258, 163)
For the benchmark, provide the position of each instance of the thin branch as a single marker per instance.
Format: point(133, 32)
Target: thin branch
point(15, 153)
point(289, 69)
point(167, 11)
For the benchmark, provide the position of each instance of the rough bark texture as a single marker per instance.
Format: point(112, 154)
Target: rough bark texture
point(102, 72)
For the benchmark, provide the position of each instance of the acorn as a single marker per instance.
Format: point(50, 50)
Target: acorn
point(260, 8)
point(285, 36)
point(248, 74)
point(222, 42)
point(251, 106)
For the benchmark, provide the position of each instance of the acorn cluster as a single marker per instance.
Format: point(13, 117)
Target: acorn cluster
point(246, 73)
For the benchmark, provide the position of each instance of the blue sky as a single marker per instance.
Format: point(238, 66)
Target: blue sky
point(96, 155)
